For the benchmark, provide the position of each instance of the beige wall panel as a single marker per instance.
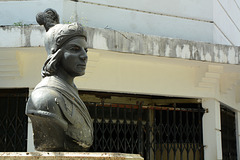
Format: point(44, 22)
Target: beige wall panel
point(121, 73)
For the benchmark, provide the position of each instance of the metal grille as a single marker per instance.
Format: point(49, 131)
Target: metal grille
point(228, 134)
point(13, 121)
point(155, 132)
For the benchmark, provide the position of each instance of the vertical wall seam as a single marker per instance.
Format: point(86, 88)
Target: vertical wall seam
point(223, 34)
point(228, 15)
point(236, 4)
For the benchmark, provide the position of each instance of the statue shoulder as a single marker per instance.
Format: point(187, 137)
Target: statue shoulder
point(44, 98)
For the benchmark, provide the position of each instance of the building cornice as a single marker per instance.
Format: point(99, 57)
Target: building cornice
point(125, 42)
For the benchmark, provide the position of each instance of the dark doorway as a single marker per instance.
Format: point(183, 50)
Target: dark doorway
point(13, 121)
point(228, 128)
point(159, 128)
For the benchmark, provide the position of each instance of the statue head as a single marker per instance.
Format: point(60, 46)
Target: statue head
point(65, 45)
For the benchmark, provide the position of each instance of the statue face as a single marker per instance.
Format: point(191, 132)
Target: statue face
point(74, 59)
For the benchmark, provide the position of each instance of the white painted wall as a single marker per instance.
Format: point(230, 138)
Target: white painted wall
point(145, 23)
point(212, 130)
point(19, 36)
point(215, 21)
point(182, 8)
point(226, 17)
point(25, 11)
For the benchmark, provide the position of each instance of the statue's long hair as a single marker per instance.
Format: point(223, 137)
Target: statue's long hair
point(51, 64)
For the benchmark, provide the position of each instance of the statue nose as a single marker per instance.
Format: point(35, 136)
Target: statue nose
point(83, 57)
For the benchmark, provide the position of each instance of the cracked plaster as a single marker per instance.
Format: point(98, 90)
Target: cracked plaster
point(107, 39)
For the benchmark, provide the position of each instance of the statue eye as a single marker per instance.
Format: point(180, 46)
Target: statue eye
point(86, 50)
point(75, 48)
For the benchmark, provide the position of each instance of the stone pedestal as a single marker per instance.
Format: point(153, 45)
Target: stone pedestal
point(67, 156)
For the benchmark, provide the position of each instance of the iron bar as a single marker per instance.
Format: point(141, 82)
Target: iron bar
point(8, 125)
point(168, 135)
point(187, 133)
point(118, 130)
point(102, 125)
point(111, 129)
point(155, 127)
point(194, 135)
point(125, 129)
point(132, 123)
point(181, 136)
point(161, 135)
point(148, 136)
point(154, 107)
point(15, 125)
point(200, 147)
point(13, 121)
point(140, 139)
point(174, 132)
point(168, 132)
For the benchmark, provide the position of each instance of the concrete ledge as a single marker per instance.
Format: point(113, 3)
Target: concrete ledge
point(112, 40)
point(68, 155)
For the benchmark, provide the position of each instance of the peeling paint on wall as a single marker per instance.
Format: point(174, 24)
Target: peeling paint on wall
point(112, 40)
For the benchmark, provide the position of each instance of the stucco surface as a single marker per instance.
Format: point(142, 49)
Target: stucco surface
point(112, 40)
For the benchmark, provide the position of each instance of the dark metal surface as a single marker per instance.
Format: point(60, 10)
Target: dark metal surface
point(228, 128)
point(13, 121)
point(60, 119)
point(155, 132)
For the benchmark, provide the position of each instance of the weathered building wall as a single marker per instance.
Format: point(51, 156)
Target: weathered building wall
point(107, 39)
point(24, 12)
point(129, 54)
point(119, 51)
point(214, 21)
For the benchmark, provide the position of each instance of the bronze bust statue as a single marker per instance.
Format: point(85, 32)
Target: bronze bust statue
point(60, 119)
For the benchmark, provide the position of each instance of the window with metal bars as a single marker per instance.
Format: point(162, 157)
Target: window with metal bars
point(161, 132)
point(13, 121)
point(177, 131)
point(228, 129)
point(116, 127)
